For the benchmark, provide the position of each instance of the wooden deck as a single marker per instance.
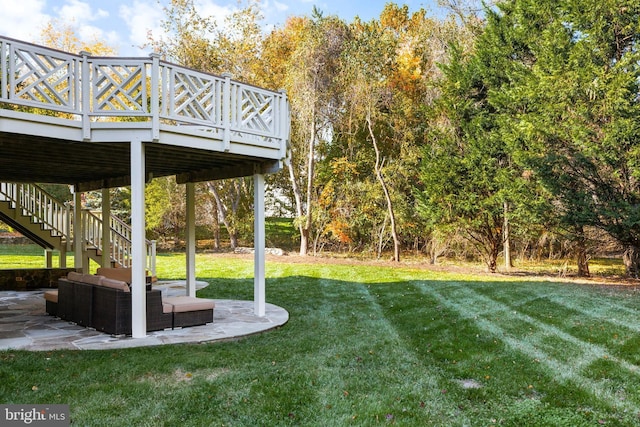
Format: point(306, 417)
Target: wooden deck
point(101, 122)
point(70, 119)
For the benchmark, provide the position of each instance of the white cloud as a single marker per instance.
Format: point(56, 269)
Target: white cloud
point(141, 17)
point(274, 6)
point(274, 12)
point(78, 11)
point(281, 7)
point(146, 16)
point(101, 13)
point(211, 8)
point(86, 21)
point(24, 22)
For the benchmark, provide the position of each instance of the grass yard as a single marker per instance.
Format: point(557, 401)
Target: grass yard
point(366, 345)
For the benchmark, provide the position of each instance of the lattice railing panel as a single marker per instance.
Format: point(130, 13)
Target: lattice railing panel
point(256, 111)
point(43, 78)
point(149, 89)
point(196, 96)
point(119, 88)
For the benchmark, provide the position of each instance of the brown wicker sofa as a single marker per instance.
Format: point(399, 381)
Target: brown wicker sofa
point(104, 303)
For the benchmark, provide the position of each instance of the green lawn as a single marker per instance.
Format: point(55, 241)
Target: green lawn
point(365, 346)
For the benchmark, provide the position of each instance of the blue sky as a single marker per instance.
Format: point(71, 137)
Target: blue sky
point(124, 24)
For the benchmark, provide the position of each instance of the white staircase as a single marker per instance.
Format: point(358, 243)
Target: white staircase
point(39, 216)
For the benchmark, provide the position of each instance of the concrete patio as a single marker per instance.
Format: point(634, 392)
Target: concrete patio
point(24, 325)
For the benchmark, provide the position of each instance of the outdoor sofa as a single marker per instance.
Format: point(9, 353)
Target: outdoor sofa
point(104, 303)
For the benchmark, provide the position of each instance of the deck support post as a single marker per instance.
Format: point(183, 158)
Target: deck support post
point(190, 239)
point(48, 258)
point(62, 261)
point(259, 294)
point(106, 228)
point(139, 250)
point(78, 233)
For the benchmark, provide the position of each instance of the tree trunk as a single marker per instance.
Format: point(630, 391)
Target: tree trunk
point(488, 242)
point(304, 220)
point(631, 258)
point(299, 210)
point(222, 209)
point(216, 237)
point(583, 263)
point(304, 240)
point(381, 236)
point(582, 254)
point(306, 232)
point(492, 258)
point(507, 239)
point(216, 227)
point(387, 195)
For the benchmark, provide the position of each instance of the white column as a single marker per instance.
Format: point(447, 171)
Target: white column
point(259, 295)
point(106, 228)
point(191, 239)
point(139, 250)
point(77, 231)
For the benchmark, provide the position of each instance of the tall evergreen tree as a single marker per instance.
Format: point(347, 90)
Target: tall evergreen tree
point(467, 172)
point(553, 86)
point(571, 109)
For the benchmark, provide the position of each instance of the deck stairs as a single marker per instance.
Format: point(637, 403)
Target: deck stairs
point(39, 216)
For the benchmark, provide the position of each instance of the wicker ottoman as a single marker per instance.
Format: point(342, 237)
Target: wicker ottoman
point(189, 311)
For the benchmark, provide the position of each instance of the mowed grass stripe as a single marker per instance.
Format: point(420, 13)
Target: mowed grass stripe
point(421, 380)
point(617, 306)
point(346, 354)
point(529, 345)
point(485, 378)
point(593, 315)
point(615, 313)
point(308, 381)
point(378, 364)
point(620, 341)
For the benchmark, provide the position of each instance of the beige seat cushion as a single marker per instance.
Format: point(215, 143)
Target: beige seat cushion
point(122, 274)
point(91, 279)
point(184, 304)
point(167, 308)
point(51, 296)
point(74, 276)
point(115, 284)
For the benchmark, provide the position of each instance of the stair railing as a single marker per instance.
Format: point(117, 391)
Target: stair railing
point(42, 207)
point(119, 236)
point(57, 218)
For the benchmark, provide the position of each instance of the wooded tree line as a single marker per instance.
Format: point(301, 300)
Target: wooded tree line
point(359, 92)
point(538, 128)
point(508, 129)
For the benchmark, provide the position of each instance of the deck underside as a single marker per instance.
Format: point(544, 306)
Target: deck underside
point(50, 153)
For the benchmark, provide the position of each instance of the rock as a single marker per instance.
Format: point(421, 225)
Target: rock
point(268, 251)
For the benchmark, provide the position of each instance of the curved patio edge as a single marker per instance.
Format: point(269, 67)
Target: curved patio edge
point(233, 319)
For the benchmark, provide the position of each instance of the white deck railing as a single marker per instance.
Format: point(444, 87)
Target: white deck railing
point(93, 89)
